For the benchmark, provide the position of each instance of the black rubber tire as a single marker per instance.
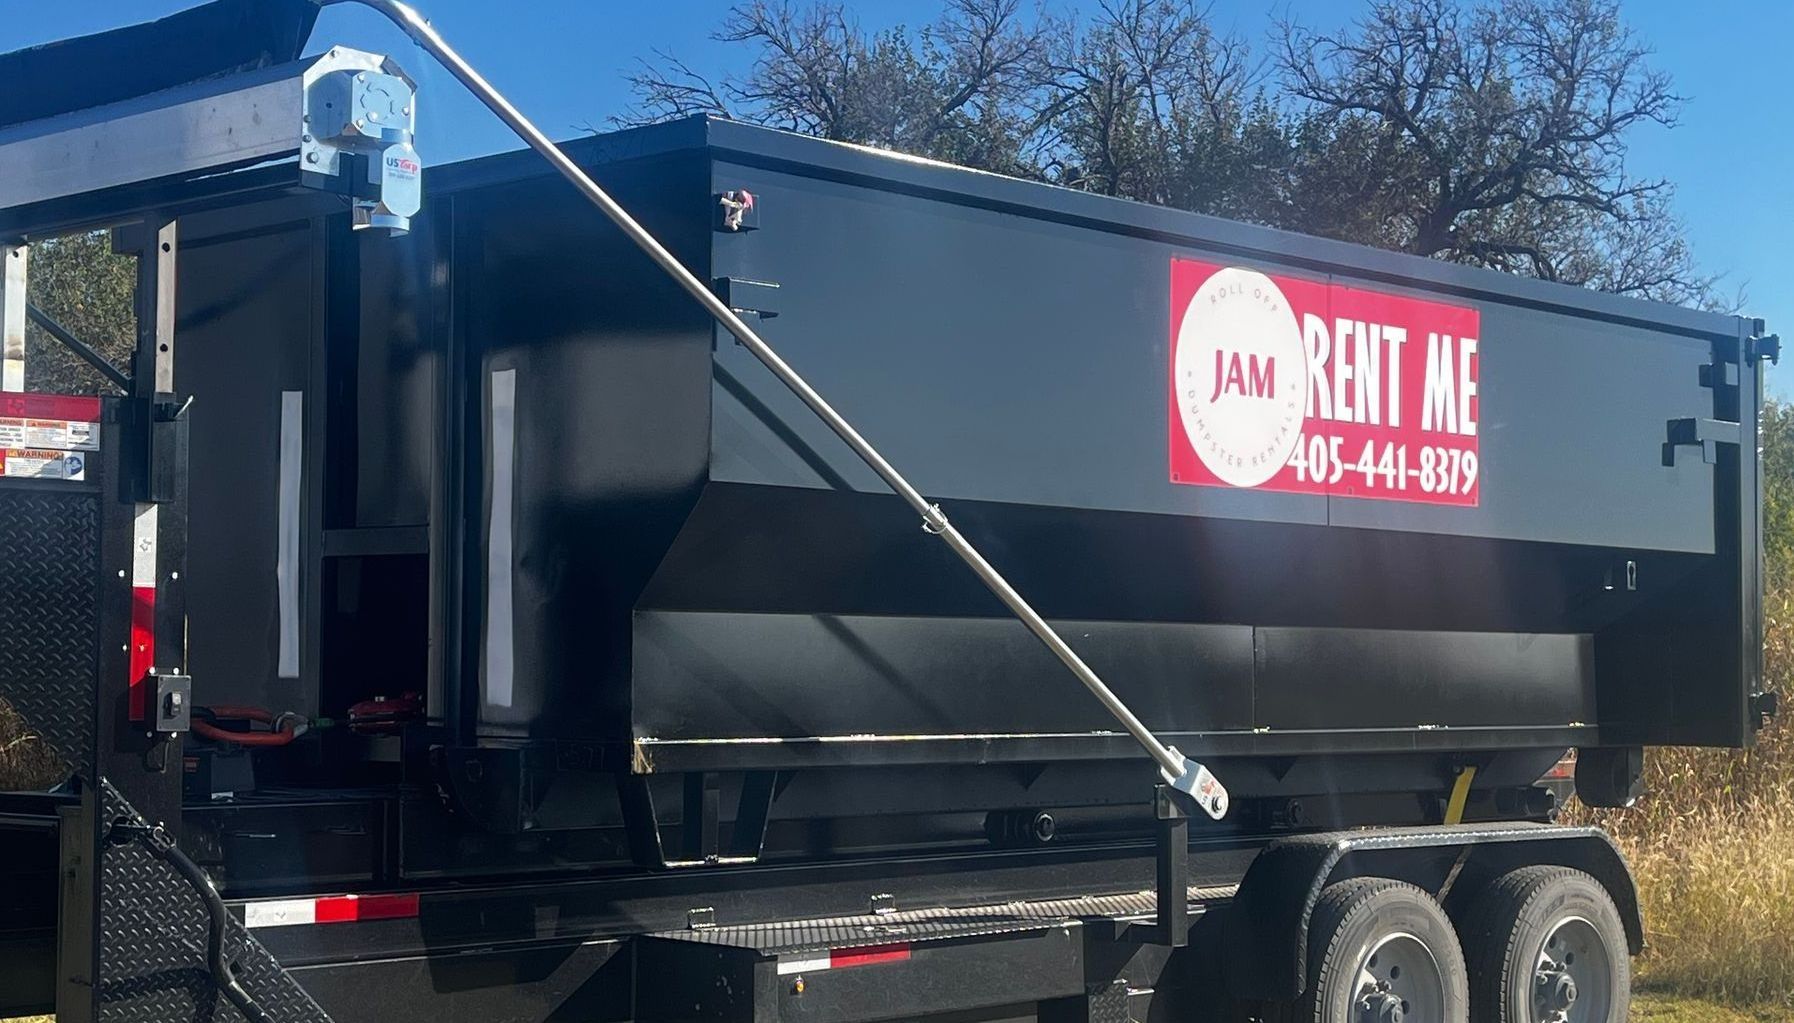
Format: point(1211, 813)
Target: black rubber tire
point(1506, 925)
point(1350, 916)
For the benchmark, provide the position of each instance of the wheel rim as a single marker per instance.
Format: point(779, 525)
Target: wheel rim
point(1572, 977)
point(1399, 981)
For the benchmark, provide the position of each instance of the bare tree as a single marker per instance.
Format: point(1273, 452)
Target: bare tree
point(961, 88)
point(1497, 134)
point(1480, 131)
point(1142, 89)
point(87, 288)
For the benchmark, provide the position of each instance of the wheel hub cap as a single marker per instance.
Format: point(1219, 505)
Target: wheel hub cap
point(1572, 977)
point(1399, 981)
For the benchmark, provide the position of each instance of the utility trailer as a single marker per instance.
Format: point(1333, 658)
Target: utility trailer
point(473, 608)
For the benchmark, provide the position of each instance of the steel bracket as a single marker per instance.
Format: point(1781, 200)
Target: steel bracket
point(1764, 706)
point(1171, 920)
point(1706, 434)
point(748, 298)
point(700, 823)
point(1763, 346)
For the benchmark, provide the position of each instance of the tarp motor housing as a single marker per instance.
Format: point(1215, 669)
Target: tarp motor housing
point(359, 125)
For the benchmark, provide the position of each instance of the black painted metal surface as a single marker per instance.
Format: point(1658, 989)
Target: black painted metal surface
point(699, 578)
point(689, 564)
point(689, 560)
point(209, 41)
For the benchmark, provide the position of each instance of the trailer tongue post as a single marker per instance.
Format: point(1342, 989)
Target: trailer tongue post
point(1181, 774)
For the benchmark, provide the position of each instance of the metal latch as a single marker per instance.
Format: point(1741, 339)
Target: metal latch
point(737, 210)
point(748, 298)
point(159, 448)
point(1767, 346)
point(1707, 434)
point(1763, 706)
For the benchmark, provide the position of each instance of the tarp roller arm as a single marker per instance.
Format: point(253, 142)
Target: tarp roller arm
point(1179, 771)
point(88, 354)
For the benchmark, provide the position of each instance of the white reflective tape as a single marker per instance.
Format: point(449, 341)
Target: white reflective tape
point(280, 913)
point(499, 665)
point(143, 547)
point(286, 552)
point(12, 318)
point(803, 964)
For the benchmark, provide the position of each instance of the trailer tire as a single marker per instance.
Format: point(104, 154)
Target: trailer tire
point(1523, 936)
point(1374, 927)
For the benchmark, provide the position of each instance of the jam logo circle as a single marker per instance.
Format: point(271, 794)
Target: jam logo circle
point(1240, 376)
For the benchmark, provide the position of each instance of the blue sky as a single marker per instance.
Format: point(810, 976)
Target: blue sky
point(1732, 157)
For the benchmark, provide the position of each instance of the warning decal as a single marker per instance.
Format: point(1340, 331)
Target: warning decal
point(34, 463)
point(66, 434)
point(1287, 384)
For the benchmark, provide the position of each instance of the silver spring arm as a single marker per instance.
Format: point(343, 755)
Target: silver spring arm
point(1179, 771)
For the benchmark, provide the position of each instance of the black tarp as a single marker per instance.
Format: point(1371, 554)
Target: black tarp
point(219, 38)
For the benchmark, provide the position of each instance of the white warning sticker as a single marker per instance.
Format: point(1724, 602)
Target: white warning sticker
point(37, 463)
point(58, 434)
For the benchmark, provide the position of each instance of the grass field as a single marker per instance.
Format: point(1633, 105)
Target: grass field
point(1651, 1007)
point(1712, 844)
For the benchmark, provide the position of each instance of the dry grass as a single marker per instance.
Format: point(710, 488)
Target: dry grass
point(1713, 847)
point(25, 762)
point(1655, 1008)
point(1718, 893)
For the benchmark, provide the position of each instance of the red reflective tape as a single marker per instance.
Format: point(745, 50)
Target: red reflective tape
point(50, 406)
point(387, 907)
point(143, 647)
point(867, 955)
point(351, 908)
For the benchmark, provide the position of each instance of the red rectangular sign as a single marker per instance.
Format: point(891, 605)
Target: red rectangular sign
point(49, 406)
point(1302, 386)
